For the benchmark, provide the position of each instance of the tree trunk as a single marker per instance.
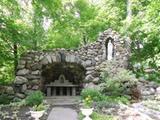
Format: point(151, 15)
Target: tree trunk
point(15, 51)
point(84, 39)
point(129, 12)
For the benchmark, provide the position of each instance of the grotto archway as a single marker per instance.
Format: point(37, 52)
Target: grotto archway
point(73, 75)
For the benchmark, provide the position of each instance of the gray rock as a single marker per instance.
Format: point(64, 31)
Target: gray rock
point(20, 66)
point(72, 58)
point(10, 90)
point(19, 95)
point(53, 58)
point(35, 87)
point(31, 77)
point(35, 81)
point(88, 63)
point(44, 61)
point(90, 68)
point(89, 78)
point(49, 58)
point(23, 72)
point(158, 90)
point(90, 85)
point(22, 62)
point(96, 80)
point(37, 72)
point(36, 66)
point(20, 80)
point(24, 88)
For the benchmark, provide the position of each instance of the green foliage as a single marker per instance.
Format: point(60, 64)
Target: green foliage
point(111, 101)
point(117, 83)
point(6, 76)
point(5, 99)
point(88, 102)
point(39, 107)
point(35, 98)
point(75, 23)
point(98, 116)
point(94, 94)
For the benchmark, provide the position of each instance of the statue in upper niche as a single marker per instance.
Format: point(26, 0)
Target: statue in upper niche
point(62, 78)
point(110, 50)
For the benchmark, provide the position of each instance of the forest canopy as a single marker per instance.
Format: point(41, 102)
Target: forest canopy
point(47, 24)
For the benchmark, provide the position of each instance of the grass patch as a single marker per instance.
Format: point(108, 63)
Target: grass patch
point(98, 116)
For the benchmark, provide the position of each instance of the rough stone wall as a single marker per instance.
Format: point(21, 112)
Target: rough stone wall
point(28, 76)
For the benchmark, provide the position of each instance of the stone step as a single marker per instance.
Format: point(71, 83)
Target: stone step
point(63, 100)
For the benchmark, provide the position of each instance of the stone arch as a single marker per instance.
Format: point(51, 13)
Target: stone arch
point(61, 63)
point(60, 57)
point(72, 72)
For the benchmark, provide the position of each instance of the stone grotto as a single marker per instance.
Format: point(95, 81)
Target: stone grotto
point(62, 72)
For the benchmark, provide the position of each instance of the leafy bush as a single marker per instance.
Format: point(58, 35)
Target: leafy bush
point(111, 101)
point(5, 99)
point(98, 116)
point(118, 83)
point(35, 98)
point(39, 107)
point(93, 93)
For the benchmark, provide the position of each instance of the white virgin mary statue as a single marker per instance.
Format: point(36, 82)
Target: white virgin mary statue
point(110, 50)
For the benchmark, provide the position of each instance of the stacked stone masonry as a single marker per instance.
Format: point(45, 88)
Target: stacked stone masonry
point(29, 69)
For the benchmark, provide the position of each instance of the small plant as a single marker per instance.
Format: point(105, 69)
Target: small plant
point(98, 116)
point(118, 83)
point(39, 107)
point(94, 94)
point(5, 99)
point(88, 102)
point(35, 98)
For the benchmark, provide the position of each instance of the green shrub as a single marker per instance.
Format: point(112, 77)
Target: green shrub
point(118, 83)
point(35, 98)
point(111, 101)
point(5, 99)
point(93, 93)
point(39, 107)
point(98, 116)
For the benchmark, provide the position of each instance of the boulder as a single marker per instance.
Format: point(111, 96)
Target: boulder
point(44, 61)
point(9, 90)
point(20, 80)
point(24, 88)
point(37, 72)
point(23, 72)
point(96, 80)
point(88, 63)
point(20, 95)
point(89, 78)
point(158, 90)
point(49, 58)
point(35, 87)
point(91, 85)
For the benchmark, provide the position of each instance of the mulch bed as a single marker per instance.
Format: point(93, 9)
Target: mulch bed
point(19, 113)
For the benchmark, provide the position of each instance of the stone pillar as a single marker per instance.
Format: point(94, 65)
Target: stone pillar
point(73, 91)
point(48, 91)
point(54, 91)
point(68, 91)
point(61, 91)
